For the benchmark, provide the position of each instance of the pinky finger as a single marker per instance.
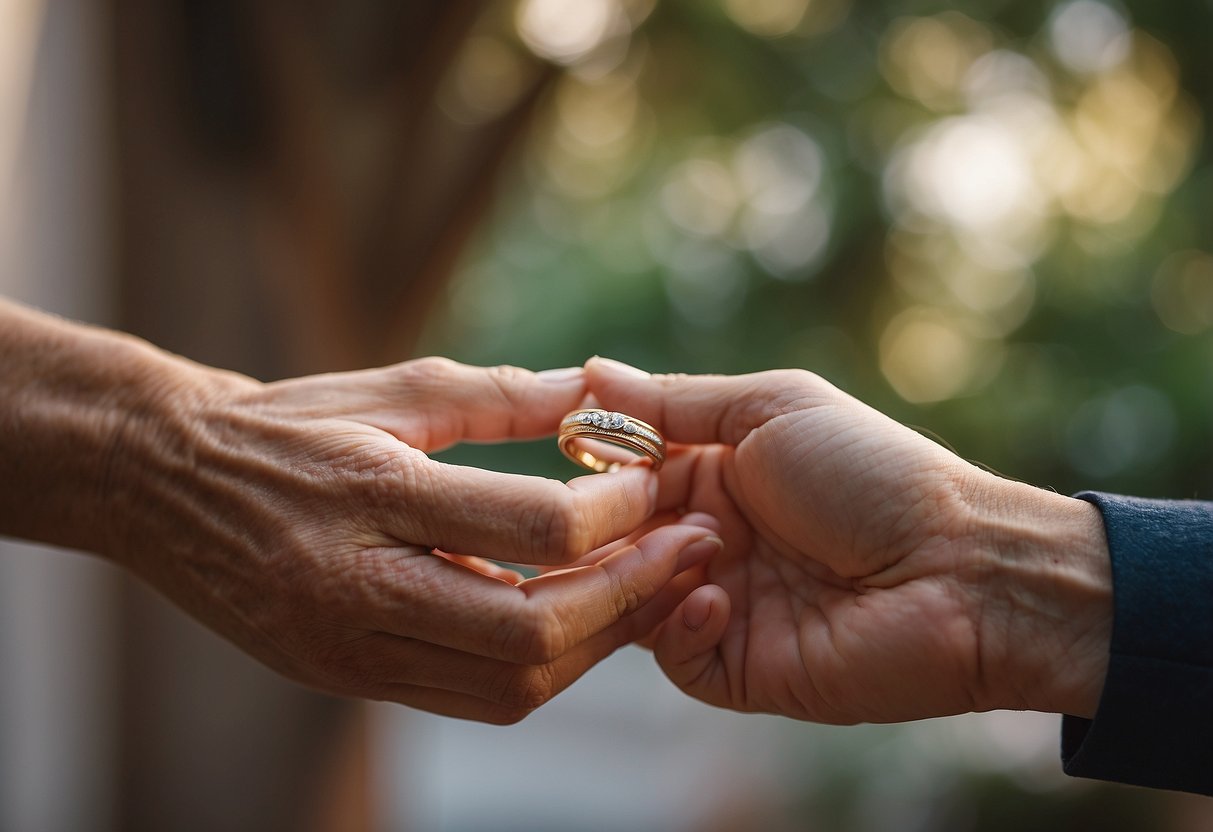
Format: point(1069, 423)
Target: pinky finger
point(687, 645)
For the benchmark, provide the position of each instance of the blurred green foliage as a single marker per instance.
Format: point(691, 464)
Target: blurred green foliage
point(625, 230)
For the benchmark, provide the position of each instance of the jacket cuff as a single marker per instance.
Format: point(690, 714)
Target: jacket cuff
point(1154, 723)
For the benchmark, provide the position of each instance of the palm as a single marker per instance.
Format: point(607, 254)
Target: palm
point(841, 579)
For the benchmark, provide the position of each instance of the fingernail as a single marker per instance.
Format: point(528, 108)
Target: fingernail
point(699, 551)
point(620, 367)
point(695, 613)
point(560, 375)
point(699, 518)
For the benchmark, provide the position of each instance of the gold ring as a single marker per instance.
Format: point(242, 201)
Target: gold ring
point(608, 426)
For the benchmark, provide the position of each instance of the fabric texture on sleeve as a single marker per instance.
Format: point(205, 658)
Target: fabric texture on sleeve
point(1154, 723)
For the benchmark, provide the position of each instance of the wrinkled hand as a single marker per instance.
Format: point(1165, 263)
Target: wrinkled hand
point(868, 574)
point(304, 521)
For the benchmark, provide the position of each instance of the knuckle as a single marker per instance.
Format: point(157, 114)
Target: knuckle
point(558, 532)
point(625, 598)
point(429, 368)
point(391, 478)
point(774, 393)
point(548, 641)
point(534, 638)
point(505, 639)
point(369, 468)
point(793, 377)
point(507, 383)
point(425, 377)
point(508, 377)
point(794, 384)
point(526, 689)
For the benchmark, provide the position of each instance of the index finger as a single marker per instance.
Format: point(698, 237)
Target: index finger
point(521, 519)
point(432, 403)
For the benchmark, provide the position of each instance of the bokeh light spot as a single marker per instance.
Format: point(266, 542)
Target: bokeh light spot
point(701, 197)
point(779, 169)
point(767, 18)
point(1182, 292)
point(1088, 36)
point(597, 117)
point(926, 356)
point(485, 81)
point(971, 173)
point(926, 58)
point(566, 32)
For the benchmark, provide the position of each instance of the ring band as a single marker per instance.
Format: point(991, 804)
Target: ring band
point(608, 426)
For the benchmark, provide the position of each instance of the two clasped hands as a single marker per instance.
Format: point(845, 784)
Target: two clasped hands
point(798, 553)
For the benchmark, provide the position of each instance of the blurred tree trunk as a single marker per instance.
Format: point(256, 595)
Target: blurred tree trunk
point(291, 200)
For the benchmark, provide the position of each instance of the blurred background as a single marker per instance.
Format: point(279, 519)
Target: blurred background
point(990, 220)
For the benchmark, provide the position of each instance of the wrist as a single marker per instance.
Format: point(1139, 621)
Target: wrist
point(80, 407)
point(1045, 610)
point(161, 404)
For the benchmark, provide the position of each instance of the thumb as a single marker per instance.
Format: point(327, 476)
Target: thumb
point(704, 409)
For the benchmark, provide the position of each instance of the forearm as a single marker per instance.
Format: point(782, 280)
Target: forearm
point(69, 394)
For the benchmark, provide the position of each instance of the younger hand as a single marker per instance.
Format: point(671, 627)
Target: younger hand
point(868, 574)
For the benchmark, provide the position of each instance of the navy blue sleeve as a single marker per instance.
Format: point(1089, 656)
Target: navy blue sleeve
point(1154, 723)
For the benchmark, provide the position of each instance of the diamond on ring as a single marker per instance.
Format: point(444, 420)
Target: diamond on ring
point(612, 427)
